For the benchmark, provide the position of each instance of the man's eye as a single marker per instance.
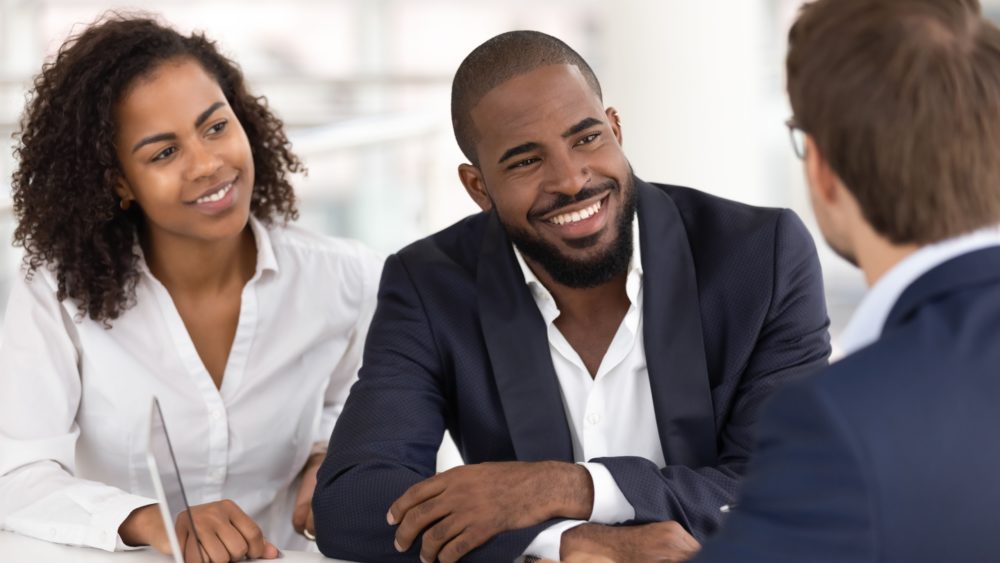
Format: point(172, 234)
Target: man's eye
point(523, 163)
point(164, 153)
point(588, 139)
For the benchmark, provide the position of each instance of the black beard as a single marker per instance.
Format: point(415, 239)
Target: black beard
point(593, 271)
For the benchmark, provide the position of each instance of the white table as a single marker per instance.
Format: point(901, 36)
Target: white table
point(15, 548)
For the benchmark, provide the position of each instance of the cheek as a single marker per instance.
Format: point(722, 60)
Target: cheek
point(239, 148)
point(154, 187)
point(513, 202)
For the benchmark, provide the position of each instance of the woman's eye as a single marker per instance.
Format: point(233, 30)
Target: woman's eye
point(218, 127)
point(164, 153)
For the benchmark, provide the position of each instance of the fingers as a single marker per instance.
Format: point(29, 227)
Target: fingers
point(413, 496)
point(270, 551)
point(226, 534)
point(248, 530)
point(311, 524)
point(234, 543)
point(581, 557)
point(417, 519)
point(681, 536)
point(193, 552)
point(460, 546)
point(302, 512)
point(437, 536)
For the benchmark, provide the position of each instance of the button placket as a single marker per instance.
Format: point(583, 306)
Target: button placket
point(218, 449)
point(594, 442)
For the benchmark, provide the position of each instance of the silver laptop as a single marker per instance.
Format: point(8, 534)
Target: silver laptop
point(163, 469)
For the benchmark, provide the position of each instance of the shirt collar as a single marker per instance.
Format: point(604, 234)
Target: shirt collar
point(543, 298)
point(865, 326)
point(266, 260)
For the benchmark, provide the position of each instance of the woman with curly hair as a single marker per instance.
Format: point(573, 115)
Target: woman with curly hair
point(152, 200)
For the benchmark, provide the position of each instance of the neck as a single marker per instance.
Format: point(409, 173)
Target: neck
point(876, 255)
point(197, 266)
point(584, 303)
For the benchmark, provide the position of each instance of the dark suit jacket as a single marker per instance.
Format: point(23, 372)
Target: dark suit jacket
point(892, 454)
point(732, 307)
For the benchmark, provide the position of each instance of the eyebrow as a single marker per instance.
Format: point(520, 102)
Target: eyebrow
point(526, 147)
point(519, 149)
point(202, 117)
point(584, 124)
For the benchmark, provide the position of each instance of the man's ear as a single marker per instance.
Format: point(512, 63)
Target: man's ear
point(616, 122)
point(472, 179)
point(823, 181)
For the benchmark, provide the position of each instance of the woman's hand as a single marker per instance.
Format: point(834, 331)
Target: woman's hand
point(226, 533)
point(302, 517)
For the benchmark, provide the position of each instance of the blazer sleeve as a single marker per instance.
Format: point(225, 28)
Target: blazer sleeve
point(792, 342)
point(806, 495)
point(388, 435)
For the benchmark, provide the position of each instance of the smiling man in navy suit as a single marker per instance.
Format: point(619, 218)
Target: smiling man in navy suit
point(584, 316)
point(892, 454)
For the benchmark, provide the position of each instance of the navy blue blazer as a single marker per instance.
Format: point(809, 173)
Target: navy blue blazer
point(732, 307)
point(891, 454)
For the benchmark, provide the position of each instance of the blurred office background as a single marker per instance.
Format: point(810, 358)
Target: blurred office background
point(363, 87)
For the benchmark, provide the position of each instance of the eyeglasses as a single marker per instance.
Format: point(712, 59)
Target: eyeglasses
point(798, 137)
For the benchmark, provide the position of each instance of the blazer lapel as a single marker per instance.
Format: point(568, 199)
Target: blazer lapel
point(675, 352)
point(974, 268)
point(518, 346)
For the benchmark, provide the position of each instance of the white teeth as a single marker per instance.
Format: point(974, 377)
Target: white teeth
point(575, 216)
point(213, 197)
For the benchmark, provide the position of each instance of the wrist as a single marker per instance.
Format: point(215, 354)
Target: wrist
point(582, 539)
point(140, 526)
point(577, 500)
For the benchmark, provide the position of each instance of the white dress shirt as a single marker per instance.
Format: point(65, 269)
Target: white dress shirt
point(610, 414)
point(865, 326)
point(74, 395)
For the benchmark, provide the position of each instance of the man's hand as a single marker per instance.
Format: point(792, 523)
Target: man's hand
point(302, 517)
point(462, 508)
point(580, 557)
point(665, 542)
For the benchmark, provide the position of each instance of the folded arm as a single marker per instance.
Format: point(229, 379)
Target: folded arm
point(387, 437)
point(39, 398)
point(792, 342)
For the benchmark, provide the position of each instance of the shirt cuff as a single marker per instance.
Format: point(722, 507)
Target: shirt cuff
point(610, 504)
point(546, 544)
point(79, 520)
point(111, 515)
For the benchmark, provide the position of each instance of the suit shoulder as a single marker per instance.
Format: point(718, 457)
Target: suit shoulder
point(705, 214)
point(729, 237)
point(457, 245)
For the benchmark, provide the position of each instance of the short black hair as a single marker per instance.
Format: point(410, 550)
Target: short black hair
point(496, 61)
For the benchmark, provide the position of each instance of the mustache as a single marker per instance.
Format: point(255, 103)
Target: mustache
point(563, 200)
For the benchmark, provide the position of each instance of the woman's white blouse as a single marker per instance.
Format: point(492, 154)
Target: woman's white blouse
point(75, 395)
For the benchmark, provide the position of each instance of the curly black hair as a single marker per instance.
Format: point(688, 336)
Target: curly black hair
point(68, 215)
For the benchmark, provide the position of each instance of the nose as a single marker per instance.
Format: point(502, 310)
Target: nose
point(203, 161)
point(565, 174)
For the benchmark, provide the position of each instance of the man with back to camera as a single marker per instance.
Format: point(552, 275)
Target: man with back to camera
point(891, 454)
point(583, 316)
